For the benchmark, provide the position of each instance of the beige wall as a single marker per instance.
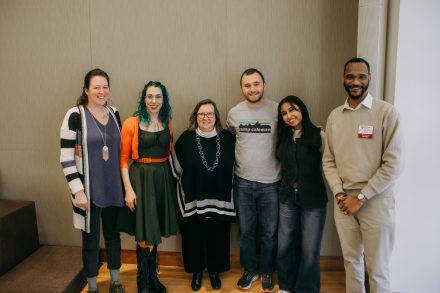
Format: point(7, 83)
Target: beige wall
point(198, 48)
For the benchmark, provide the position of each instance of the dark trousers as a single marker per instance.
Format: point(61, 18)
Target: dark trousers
point(299, 242)
point(90, 249)
point(205, 243)
point(257, 210)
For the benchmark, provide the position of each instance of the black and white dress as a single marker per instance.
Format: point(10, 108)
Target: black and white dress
point(204, 163)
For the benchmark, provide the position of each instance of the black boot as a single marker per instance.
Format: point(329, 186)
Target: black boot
point(142, 255)
point(155, 285)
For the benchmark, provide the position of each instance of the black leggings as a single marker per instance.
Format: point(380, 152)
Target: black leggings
point(90, 249)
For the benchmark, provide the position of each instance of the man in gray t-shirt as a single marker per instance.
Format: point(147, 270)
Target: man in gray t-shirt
point(257, 173)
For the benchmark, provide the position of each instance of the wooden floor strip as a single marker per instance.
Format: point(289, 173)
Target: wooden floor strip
point(178, 281)
point(170, 258)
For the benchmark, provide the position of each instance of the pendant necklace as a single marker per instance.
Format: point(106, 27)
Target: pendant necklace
point(105, 151)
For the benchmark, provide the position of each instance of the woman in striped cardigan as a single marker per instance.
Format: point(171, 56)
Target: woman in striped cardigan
point(90, 151)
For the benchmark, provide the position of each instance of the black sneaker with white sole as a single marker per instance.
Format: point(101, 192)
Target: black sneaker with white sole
point(246, 280)
point(267, 283)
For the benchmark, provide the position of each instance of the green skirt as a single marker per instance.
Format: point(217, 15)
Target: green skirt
point(155, 215)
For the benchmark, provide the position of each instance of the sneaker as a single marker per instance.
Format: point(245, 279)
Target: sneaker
point(246, 280)
point(267, 283)
point(116, 288)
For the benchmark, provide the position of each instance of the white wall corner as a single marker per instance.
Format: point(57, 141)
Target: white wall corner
point(371, 45)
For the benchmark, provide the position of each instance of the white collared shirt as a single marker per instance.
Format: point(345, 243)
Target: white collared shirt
point(367, 102)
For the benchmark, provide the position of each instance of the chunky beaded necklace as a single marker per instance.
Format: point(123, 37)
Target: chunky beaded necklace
point(202, 154)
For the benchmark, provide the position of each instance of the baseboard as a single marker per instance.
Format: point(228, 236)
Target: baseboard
point(171, 258)
point(332, 263)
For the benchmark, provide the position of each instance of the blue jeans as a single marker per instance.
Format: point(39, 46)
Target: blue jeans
point(257, 204)
point(299, 244)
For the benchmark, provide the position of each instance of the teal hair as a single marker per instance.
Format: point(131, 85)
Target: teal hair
point(165, 113)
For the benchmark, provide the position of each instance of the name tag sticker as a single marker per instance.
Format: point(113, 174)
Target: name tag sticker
point(365, 131)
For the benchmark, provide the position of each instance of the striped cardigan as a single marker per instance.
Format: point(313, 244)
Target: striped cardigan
point(74, 159)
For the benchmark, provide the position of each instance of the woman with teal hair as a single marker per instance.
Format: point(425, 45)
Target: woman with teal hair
point(150, 194)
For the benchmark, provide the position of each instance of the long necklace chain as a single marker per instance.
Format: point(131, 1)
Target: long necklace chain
point(105, 154)
point(202, 154)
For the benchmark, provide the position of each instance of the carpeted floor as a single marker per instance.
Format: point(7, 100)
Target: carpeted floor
point(49, 269)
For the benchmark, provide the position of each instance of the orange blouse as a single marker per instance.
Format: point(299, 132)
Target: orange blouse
point(130, 141)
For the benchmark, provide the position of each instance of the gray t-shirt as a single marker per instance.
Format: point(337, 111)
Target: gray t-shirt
point(255, 130)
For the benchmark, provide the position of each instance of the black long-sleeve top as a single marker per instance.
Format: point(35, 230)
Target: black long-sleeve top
point(202, 193)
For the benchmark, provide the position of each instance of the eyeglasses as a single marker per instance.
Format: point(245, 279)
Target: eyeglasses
point(157, 97)
point(208, 115)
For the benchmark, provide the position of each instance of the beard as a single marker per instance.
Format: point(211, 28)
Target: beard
point(363, 91)
point(257, 100)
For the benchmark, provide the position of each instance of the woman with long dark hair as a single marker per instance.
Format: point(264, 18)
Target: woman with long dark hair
point(204, 159)
point(302, 197)
point(90, 150)
point(150, 194)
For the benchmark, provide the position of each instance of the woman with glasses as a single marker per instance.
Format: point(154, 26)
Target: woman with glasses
point(204, 160)
point(150, 194)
